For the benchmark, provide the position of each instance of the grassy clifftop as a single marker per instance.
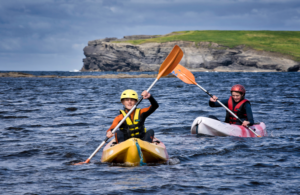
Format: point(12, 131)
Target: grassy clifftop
point(283, 42)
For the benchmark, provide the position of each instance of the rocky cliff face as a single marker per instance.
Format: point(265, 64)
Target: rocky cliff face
point(103, 55)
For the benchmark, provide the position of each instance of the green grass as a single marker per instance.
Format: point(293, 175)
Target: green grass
point(283, 42)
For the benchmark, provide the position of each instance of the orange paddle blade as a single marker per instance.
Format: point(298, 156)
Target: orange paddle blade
point(81, 163)
point(184, 74)
point(170, 62)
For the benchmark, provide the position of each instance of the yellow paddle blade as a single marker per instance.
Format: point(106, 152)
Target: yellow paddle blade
point(184, 74)
point(170, 62)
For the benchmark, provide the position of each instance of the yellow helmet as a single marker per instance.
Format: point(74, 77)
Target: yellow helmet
point(129, 93)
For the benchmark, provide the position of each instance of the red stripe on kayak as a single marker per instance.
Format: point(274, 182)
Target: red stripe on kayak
point(243, 131)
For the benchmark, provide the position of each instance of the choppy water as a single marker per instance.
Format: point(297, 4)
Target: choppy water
point(47, 123)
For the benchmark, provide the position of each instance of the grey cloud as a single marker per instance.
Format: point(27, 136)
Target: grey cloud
point(60, 27)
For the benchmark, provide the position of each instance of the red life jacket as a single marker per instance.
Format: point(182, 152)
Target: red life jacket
point(237, 110)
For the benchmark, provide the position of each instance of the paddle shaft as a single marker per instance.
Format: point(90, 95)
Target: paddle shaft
point(249, 128)
point(120, 123)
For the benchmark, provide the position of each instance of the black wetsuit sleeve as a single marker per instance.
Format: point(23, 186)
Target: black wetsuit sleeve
point(248, 109)
point(152, 108)
point(216, 104)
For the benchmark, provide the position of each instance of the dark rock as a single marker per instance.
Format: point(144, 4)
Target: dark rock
point(136, 37)
point(107, 39)
point(14, 128)
point(71, 109)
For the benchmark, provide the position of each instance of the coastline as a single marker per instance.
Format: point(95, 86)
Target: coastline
point(121, 75)
point(107, 76)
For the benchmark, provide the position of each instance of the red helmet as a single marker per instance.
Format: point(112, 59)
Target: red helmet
point(238, 88)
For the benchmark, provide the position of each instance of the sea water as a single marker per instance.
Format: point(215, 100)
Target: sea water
point(46, 124)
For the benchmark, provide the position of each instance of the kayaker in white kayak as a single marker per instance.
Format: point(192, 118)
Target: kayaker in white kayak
point(133, 126)
point(237, 104)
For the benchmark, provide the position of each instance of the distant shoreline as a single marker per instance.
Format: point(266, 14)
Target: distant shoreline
point(112, 76)
point(106, 76)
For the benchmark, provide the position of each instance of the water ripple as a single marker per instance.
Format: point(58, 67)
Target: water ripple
point(48, 124)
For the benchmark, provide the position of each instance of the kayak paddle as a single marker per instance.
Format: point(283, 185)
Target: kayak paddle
point(166, 68)
point(186, 76)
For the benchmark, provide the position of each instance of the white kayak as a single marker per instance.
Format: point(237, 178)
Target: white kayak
point(208, 126)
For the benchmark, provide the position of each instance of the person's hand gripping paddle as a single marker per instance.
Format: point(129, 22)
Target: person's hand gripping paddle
point(166, 68)
point(186, 76)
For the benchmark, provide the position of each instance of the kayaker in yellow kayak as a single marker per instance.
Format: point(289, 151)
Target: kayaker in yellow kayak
point(133, 126)
point(237, 104)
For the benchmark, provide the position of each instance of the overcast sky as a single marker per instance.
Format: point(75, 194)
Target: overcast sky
point(51, 34)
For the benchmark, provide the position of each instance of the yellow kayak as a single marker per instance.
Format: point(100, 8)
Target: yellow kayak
point(135, 152)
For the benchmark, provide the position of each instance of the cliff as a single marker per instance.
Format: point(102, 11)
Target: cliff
point(109, 55)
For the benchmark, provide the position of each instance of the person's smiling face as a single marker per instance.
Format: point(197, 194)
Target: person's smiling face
point(128, 103)
point(236, 96)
